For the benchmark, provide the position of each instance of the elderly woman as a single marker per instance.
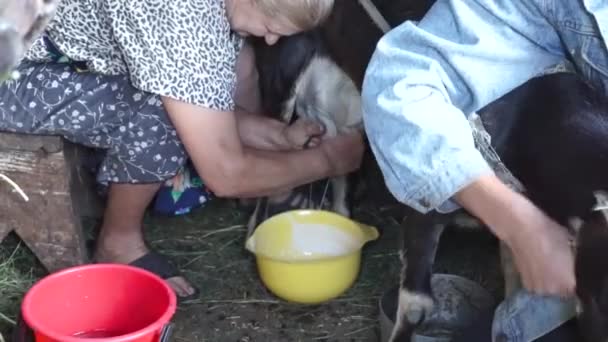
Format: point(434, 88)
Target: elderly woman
point(152, 82)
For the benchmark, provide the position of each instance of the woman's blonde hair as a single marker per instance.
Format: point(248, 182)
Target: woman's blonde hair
point(303, 14)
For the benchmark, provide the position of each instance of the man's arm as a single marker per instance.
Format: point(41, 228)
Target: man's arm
point(421, 82)
point(424, 79)
point(539, 245)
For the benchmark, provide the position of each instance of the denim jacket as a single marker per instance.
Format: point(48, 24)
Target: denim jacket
point(425, 78)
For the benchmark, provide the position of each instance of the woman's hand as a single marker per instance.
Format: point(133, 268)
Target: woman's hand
point(303, 133)
point(344, 152)
point(541, 248)
point(231, 168)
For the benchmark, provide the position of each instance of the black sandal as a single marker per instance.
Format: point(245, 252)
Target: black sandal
point(152, 262)
point(159, 265)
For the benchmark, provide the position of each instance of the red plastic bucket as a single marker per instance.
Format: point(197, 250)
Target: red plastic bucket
point(101, 302)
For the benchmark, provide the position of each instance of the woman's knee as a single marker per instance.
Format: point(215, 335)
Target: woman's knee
point(154, 156)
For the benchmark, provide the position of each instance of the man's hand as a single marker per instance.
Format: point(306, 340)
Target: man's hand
point(542, 253)
point(540, 247)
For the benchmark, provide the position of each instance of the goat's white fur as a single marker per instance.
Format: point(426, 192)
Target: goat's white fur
point(324, 92)
point(601, 199)
point(410, 303)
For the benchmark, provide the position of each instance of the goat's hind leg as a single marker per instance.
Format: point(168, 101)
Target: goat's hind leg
point(420, 242)
point(255, 218)
point(339, 195)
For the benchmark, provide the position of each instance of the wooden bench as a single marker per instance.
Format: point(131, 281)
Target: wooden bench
point(50, 171)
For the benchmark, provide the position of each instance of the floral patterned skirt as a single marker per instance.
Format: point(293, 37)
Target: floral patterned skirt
point(104, 112)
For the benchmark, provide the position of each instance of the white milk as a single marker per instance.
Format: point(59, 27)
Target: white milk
point(313, 240)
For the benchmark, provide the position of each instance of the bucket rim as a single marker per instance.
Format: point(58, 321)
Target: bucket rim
point(41, 327)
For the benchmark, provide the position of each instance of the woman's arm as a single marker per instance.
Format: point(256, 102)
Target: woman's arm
point(231, 169)
point(260, 132)
point(255, 130)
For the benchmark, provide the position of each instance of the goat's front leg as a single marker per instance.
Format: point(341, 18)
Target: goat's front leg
point(272, 205)
point(255, 219)
point(420, 242)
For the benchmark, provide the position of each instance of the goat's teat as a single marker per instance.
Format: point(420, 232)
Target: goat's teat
point(601, 205)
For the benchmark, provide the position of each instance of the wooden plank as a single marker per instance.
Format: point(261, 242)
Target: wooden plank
point(5, 229)
point(50, 228)
point(31, 143)
point(48, 223)
point(34, 172)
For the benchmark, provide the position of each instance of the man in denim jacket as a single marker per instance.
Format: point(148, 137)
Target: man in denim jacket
point(424, 80)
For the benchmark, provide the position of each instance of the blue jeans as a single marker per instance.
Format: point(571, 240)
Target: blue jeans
point(524, 317)
point(426, 78)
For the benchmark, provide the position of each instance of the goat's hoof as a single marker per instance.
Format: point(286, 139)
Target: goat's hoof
point(413, 308)
point(415, 315)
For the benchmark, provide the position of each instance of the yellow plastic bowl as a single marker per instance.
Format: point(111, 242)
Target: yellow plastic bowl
point(309, 256)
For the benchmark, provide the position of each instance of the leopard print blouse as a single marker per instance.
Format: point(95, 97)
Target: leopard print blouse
point(183, 49)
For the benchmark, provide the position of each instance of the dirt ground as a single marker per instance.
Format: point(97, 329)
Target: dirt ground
point(208, 245)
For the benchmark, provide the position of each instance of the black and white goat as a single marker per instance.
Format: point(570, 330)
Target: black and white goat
point(303, 76)
point(310, 85)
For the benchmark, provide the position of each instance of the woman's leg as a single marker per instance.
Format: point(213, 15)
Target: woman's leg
point(141, 147)
point(121, 237)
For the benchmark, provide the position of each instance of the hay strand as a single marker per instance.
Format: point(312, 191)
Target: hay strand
point(7, 319)
point(15, 186)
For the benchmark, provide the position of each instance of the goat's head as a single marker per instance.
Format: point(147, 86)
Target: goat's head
point(592, 273)
point(21, 21)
